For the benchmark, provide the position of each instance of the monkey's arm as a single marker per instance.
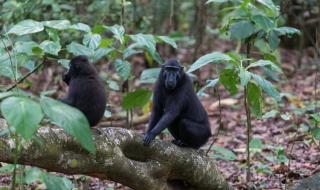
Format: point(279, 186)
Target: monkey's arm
point(157, 112)
point(165, 121)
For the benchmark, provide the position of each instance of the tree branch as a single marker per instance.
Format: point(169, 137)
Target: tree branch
point(120, 157)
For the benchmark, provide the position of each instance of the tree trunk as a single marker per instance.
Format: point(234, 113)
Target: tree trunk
point(120, 157)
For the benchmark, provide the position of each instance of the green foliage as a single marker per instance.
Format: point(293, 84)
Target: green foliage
point(215, 57)
point(254, 98)
point(223, 153)
point(229, 78)
point(71, 120)
point(23, 114)
point(138, 98)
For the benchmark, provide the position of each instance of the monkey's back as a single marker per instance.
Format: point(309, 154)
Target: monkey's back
point(89, 97)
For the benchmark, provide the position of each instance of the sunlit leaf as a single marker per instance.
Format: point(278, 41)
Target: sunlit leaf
point(50, 47)
point(92, 40)
point(26, 27)
point(81, 27)
point(245, 76)
point(167, 40)
point(223, 153)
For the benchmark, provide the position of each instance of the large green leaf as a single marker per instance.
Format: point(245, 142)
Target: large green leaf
point(78, 49)
point(57, 24)
point(215, 57)
point(241, 30)
point(100, 53)
point(138, 98)
point(254, 98)
point(123, 68)
point(23, 114)
point(25, 47)
point(167, 40)
point(145, 40)
point(229, 79)
point(26, 27)
point(267, 87)
point(81, 27)
point(50, 47)
point(149, 75)
point(118, 32)
point(71, 120)
point(263, 22)
point(92, 40)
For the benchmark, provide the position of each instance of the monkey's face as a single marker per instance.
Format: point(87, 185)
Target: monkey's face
point(171, 75)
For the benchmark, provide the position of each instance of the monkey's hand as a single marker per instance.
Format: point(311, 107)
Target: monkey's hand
point(148, 138)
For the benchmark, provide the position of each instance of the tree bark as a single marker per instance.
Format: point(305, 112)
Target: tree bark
point(120, 157)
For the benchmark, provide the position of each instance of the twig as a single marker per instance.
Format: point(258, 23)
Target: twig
point(219, 120)
point(26, 76)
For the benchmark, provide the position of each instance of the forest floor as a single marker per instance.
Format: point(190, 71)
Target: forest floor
point(283, 150)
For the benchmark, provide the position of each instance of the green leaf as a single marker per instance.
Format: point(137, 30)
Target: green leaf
point(267, 87)
point(78, 49)
point(263, 22)
point(245, 76)
point(210, 84)
point(254, 98)
point(215, 57)
point(23, 114)
point(71, 120)
point(57, 24)
point(92, 40)
point(167, 40)
point(274, 40)
point(287, 31)
point(263, 63)
point(123, 68)
point(100, 53)
point(241, 30)
point(229, 79)
point(50, 47)
point(256, 145)
point(25, 47)
point(138, 98)
point(315, 132)
point(26, 27)
point(32, 175)
point(217, 1)
point(53, 182)
point(270, 5)
point(113, 85)
point(223, 153)
point(81, 27)
point(149, 76)
point(118, 32)
point(145, 40)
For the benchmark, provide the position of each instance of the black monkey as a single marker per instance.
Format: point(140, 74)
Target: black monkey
point(86, 89)
point(177, 107)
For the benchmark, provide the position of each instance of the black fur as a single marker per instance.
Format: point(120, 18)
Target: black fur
point(86, 89)
point(177, 107)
